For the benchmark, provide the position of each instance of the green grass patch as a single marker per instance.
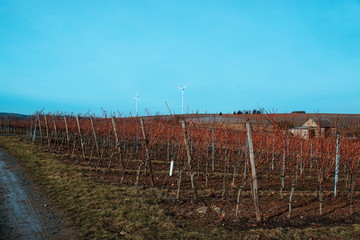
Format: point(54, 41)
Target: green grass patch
point(99, 210)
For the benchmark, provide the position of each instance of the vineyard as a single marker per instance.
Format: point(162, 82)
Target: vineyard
point(239, 170)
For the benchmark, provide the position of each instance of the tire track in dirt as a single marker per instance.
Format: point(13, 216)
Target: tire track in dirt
point(24, 212)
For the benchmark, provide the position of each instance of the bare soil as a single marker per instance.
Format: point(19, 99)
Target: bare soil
point(213, 210)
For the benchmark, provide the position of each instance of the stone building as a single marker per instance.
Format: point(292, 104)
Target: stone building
point(314, 128)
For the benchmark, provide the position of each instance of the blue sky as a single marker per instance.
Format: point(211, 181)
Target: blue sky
point(80, 56)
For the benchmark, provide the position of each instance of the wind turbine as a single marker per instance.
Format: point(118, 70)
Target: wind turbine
point(182, 98)
point(137, 99)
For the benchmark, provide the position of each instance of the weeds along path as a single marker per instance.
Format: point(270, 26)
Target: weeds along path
point(25, 213)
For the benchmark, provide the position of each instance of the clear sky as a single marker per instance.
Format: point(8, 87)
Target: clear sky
point(80, 56)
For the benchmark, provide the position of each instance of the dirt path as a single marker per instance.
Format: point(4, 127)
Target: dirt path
point(24, 211)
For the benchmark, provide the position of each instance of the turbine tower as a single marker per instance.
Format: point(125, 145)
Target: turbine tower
point(182, 98)
point(137, 99)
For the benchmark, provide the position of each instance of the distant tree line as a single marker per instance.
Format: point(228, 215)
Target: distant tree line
point(254, 111)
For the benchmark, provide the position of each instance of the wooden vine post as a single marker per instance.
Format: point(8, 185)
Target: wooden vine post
point(283, 167)
point(212, 150)
point(293, 186)
point(40, 130)
point(34, 134)
point(241, 187)
point(47, 130)
point(337, 159)
point(117, 144)
point(255, 187)
point(55, 129)
point(30, 128)
point(189, 162)
point(67, 135)
point(81, 137)
point(147, 151)
point(96, 142)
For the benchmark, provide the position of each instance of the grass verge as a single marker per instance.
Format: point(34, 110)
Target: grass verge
point(101, 211)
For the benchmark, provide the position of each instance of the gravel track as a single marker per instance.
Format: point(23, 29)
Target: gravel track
point(24, 211)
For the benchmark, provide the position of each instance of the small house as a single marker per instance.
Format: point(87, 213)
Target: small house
point(314, 128)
